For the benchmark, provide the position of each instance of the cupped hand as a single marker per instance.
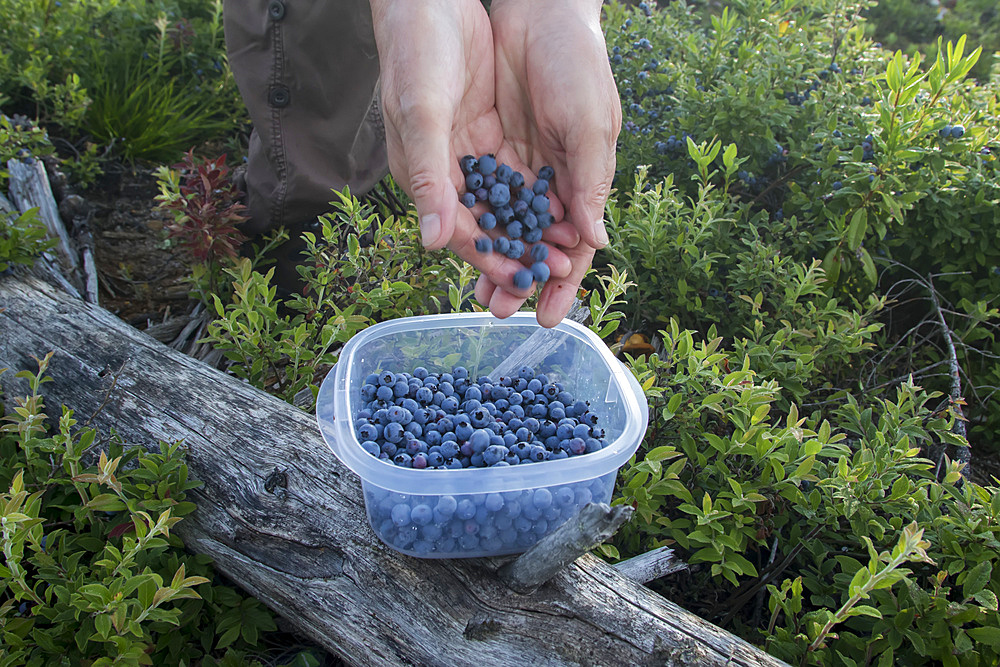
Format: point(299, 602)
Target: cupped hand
point(438, 100)
point(558, 105)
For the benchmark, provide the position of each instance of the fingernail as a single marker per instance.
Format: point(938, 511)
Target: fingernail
point(600, 233)
point(430, 229)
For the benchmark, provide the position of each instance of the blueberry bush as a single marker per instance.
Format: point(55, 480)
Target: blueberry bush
point(809, 452)
point(915, 25)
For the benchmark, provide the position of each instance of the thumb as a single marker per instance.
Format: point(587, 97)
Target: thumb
point(429, 166)
point(591, 170)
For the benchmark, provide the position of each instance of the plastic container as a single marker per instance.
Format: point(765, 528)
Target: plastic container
point(476, 512)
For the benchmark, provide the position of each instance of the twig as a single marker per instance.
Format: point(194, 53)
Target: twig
point(594, 524)
point(964, 454)
point(651, 565)
point(735, 602)
point(760, 594)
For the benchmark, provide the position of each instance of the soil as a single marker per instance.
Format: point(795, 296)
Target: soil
point(142, 277)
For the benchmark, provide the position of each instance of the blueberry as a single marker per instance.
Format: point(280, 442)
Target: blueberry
point(465, 510)
point(545, 219)
point(503, 174)
point(540, 187)
point(504, 214)
point(516, 249)
point(837, 185)
point(474, 181)
point(482, 194)
point(546, 173)
point(540, 204)
point(532, 235)
point(487, 165)
point(957, 131)
point(468, 164)
point(515, 229)
point(487, 221)
point(483, 245)
point(516, 180)
point(540, 271)
point(499, 195)
point(468, 199)
point(502, 245)
point(540, 253)
point(401, 514)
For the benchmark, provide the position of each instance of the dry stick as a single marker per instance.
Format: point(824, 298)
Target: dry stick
point(651, 565)
point(594, 524)
point(760, 594)
point(736, 601)
point(964, 454)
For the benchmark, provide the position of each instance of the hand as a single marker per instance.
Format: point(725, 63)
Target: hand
point(437, 83)
point(558, 105)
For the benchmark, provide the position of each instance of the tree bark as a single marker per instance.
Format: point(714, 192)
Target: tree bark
point(299, 541)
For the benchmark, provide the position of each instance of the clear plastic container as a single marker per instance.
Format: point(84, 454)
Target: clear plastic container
point(491, 511)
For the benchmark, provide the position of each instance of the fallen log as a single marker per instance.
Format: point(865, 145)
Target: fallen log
point(284, 519)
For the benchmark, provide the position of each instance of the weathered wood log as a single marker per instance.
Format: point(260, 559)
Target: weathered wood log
point(29, 188)
point(651, 565)
point(299, 541)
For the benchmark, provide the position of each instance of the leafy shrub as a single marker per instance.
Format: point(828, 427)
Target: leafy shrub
point(761, 496)
point(914, 26)
point(204, 203)
point(22, 239)
point(357, 270)
point(161, 86)
point(772, 155)
point(91, 572)
point(834, 236)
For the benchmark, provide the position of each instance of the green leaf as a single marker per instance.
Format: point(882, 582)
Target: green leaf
point(976, 579)
point(868, 266)
point(832, 263)
point(864, 610)
point(103, 624)
point(106, 502)
point(987, 635)
point(857, 229)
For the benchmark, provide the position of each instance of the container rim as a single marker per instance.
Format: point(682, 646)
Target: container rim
point(334, 399)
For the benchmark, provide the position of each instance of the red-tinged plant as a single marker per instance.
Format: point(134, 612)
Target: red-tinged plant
point(204, 203)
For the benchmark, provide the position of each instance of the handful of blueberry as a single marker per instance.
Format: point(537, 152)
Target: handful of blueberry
point(448, 420)
point(519, 212)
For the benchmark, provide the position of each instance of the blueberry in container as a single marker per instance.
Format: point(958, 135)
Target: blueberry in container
point(488, 511)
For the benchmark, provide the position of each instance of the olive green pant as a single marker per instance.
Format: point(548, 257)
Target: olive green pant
point(308, 73)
